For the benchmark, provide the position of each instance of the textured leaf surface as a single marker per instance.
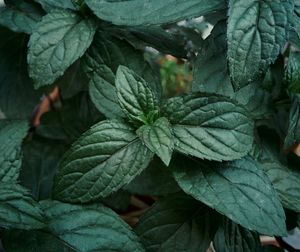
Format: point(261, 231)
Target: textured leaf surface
point(238, 189)
point(177, 223)
point(158, 138)
point(135, 96)
point(90, 228)
point(143, 12)
point(105, 158)
point(18, 20)
point(286, 182)
point(209, 126)
point(101, 63)
point(231, 237)
point(17, 209)
point(58, 41)
point(50, 5)
point(292, 72)
point(256, 33)
point(11, 137)
point(210, 71)
point(14, 79)
point(29, 241)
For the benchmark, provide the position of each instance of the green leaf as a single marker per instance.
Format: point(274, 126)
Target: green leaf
point(54, 46)
point(11, 137)
point(90, 228)
point(142, 12)
point(155, 180)
point(40, 162)
point(135, 96)
point(256, 33)
point(292, 72)
point(158, 138)
point(50, 5)
point(101, 63)
point(210, 71)
point(18, 20)
point(293, 133)
point(177, 223)
point(17, 209)
point(14, 79)
point(29, 241)
point(231, 237)
point(286, 182)
point(209, 126)
point(104, 159)
point(238, 189)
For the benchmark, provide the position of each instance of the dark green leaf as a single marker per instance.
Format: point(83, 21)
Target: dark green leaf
point(32, 241)
point(209, 126)
point(293, 133)
point(101, 63)
point(14, 79)
point(292, 72)
point(18, 20)
point(57, 42)
point(11, 137)
point(238, 189)
point(104, 159)
point(177, 223)
point(68, 123)
point(210, 72)
point(40, 162)
point(17, 209)
point(50, 5)
point(135, 96)
point(158, 138)
point(142, 12)
point(90, 228)
point(256, 33)
point(231, 237)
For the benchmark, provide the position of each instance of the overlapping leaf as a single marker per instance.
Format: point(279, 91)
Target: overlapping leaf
point(105, 158)
point(238, 189)
point(209, 126)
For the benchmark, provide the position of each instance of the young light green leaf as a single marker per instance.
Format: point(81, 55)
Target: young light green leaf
point(11, 137)
point(104, 159)
point(153, 12)
point(136, 97)
point(54, 46)
point(18, 20)
point(17, 209)
point(158, 138)
point(177, 223)
point(293, 133)
point(256, 33)
point(231, 237)
point(50, 5)
point(238, 189)
point(209, 126)
point(90, 228)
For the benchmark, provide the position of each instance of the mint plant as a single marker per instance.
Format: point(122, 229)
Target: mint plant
point(217, 163)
